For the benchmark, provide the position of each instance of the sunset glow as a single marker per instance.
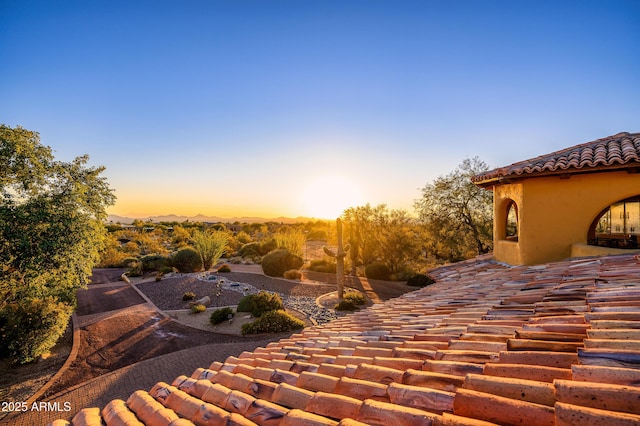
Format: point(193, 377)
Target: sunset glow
point(328, 196)
point(304, 108)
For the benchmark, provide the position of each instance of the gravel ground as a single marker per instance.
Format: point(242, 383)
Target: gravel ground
point(167, 293)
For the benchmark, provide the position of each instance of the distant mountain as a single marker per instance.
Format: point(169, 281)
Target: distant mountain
point(204, 218)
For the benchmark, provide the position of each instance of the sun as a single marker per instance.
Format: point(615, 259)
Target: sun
point(327, 197)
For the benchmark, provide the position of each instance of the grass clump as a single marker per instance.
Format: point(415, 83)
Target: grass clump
point(220, 315)
point(273, 322)
point(224, 268)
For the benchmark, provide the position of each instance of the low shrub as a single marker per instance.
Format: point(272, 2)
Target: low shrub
point(277, 262)
point(293, 274)
point(346, 305)
point(355, 297)
point(166, 269)
point(273, 322)
point(260, 303)
point(189, 295)
point(377, 271)
point(198, 308)
point(154, 262)
point(322, 265)
point(420, 280)
point(351, 301)
point(220, 315)
point(224, 268)
point(187, 260)
point(32, 327)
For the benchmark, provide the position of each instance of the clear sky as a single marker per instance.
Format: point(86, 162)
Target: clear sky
point(303, 108)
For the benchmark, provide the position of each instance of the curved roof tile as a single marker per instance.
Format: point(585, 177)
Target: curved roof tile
point(620, 149)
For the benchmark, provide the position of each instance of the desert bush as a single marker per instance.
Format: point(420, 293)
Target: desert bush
point(420, 280)
point(154, 262)
point(273, 322)
point(293, 274)
point(346, 305)
point(220, 315)
point(198, 308)
point(187, 260)
point(224, 268)
point(30, 328)
point(322, 265)
point(135, 269)
point(127, 262)
point(355, 297)
point(189, 295)
point(277, 262)
point(352, 300)
point(377, 271)
point(166, 269)
point(260, 303)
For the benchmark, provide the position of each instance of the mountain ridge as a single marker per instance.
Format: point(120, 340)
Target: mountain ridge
point(112, 218)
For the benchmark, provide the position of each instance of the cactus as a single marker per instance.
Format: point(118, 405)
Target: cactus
point(339, 255)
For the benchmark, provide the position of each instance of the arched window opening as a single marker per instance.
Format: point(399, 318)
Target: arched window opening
point(618, 226)
point(512, 222)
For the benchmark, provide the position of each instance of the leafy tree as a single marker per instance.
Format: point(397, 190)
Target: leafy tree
point(51, 230)
point(377, 234)
point(457, 215)
point(210, 245)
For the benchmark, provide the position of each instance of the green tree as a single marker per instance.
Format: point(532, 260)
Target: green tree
point(210, 245)
point(51, 226)
point(378, 234)
point(457, 215)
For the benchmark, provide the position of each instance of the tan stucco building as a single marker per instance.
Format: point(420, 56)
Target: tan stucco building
point(580, 201)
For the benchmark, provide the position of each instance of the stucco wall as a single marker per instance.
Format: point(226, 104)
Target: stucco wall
point(554, 213)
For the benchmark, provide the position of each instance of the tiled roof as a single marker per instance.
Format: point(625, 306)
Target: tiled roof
point(554, 344)
point(617, 151)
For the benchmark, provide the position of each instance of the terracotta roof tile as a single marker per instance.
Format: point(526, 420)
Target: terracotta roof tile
point(505, 340)
point(620, 150)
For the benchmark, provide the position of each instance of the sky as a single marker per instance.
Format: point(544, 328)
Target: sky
point(304, 108)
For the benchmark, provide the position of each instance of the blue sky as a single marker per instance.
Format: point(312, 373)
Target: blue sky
point(303, 108)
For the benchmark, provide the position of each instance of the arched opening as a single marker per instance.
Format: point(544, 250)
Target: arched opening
point(617, 226)
point(511, 226)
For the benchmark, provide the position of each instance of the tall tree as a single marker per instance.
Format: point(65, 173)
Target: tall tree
point(51, 230)
point(458, 215)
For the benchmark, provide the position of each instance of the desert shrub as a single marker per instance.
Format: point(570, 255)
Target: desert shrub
point(346, 305)
point(154, 262)
point(273, 322)
point(277, 262)
point(197, 308)
point(377, 271)
point(166, 269)
point(129, 261)
point(355, 297)
point(260, 303)
point(220, 315)
point(293, 274)
point(224, 268)
point(322, 265)
point(420, 280)
point(135, 269)
point(187, 260)
point(189, 295)
point(32, 327)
